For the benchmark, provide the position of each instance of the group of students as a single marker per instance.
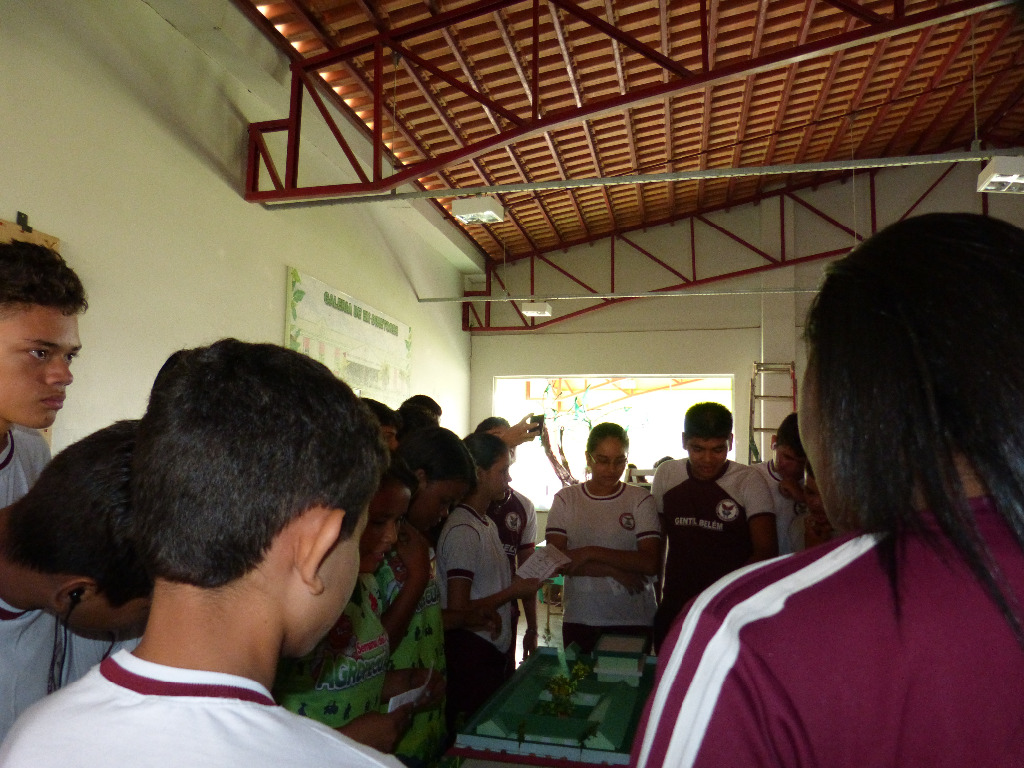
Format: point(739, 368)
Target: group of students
point(901, 640)
point(434, 608)
point(225, 521)
point(893, 631)
point(637, 557)
point(253, 514)
point(248, 543)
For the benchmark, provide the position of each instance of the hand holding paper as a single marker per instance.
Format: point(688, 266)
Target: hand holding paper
point(543, 563)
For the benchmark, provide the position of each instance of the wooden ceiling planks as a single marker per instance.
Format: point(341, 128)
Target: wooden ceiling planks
point(742, 83)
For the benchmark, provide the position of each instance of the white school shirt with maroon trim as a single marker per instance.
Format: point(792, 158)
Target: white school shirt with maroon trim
point(131, 712)
point(618, 521)
point(26, 651)
point(469, 548)
point(786, 510)
point(21, 462)
point(803, 661)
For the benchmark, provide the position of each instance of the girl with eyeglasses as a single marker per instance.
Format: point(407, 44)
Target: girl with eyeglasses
point(611, 533)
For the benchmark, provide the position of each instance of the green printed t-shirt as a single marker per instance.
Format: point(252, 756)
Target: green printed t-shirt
point(342, 678)
point(421, 648)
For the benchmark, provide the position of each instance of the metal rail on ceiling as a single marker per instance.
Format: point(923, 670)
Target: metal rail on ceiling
point(534, 125)
point(656, 178)
point(694, 284)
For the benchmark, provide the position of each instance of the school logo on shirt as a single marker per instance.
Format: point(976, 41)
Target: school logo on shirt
point(512, 522)
point(627, 521)
point(727, 510)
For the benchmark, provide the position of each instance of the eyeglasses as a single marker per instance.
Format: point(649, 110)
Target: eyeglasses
point(607, 461)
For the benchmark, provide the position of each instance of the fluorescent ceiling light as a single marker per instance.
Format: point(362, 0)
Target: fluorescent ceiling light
point(1003, 174)
point(536, 309)
point(478, 210)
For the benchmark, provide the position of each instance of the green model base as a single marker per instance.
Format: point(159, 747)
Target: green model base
point(599, 730)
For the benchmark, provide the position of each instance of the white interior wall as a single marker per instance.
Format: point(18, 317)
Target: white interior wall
point(717, 335)
point(127, 141)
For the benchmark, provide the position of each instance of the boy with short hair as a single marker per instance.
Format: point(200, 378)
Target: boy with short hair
point(784, 474)
point(252, 473)
point(390, 422)
point(65, 555)
point(40, 300)
point(717, 515)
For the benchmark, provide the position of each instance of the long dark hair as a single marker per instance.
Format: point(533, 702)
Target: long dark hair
point(439, 453)
point(916, 358)
point(485, 448)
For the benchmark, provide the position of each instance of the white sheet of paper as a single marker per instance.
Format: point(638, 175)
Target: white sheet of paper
point(543, 563)
point(411, 696)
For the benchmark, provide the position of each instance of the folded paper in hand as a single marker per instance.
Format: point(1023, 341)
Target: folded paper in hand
point(412, 696)
point(543, 563)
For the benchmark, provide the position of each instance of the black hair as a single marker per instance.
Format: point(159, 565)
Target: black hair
point(238, 440)
point(603, 431)
point(707, 421)
point(906, 386)
point(398, 473)
point(423, 401)
point(788, 434)
point(386, 416)
point(492, 422)
point(485, 448)
point(76, 518)
point(34, 274)
point(413, 419)
point(440, 454)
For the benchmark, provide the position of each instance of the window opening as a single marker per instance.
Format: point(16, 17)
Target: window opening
point(650, 408)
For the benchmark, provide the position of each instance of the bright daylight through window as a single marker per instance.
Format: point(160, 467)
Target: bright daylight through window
point(651, 409)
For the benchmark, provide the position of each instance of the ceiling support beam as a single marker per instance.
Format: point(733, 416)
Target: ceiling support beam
point(927, 192)
point(556, 155)
point(1008, 104)
point(748, 88)
point(652, 257)
point(787, 88)
point(666, 48)
point(865, 80)
point(960, 93)
point(570, 68)
point(257, 130)
point(856, 10)
point(617, 34)
point(641, 96)
point(895, 89)
point(819, 105)
point(933, 82)
point(691, 285)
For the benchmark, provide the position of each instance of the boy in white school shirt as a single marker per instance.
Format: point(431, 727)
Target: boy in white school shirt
point(71, 584)
point(251, 476)
point(40, 300)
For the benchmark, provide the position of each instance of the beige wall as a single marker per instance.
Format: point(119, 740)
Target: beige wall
point(121, 137)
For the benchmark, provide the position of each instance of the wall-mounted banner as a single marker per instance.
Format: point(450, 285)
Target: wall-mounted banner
point(368, 349)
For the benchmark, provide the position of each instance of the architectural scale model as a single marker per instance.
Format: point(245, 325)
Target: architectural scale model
point(564, 707)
